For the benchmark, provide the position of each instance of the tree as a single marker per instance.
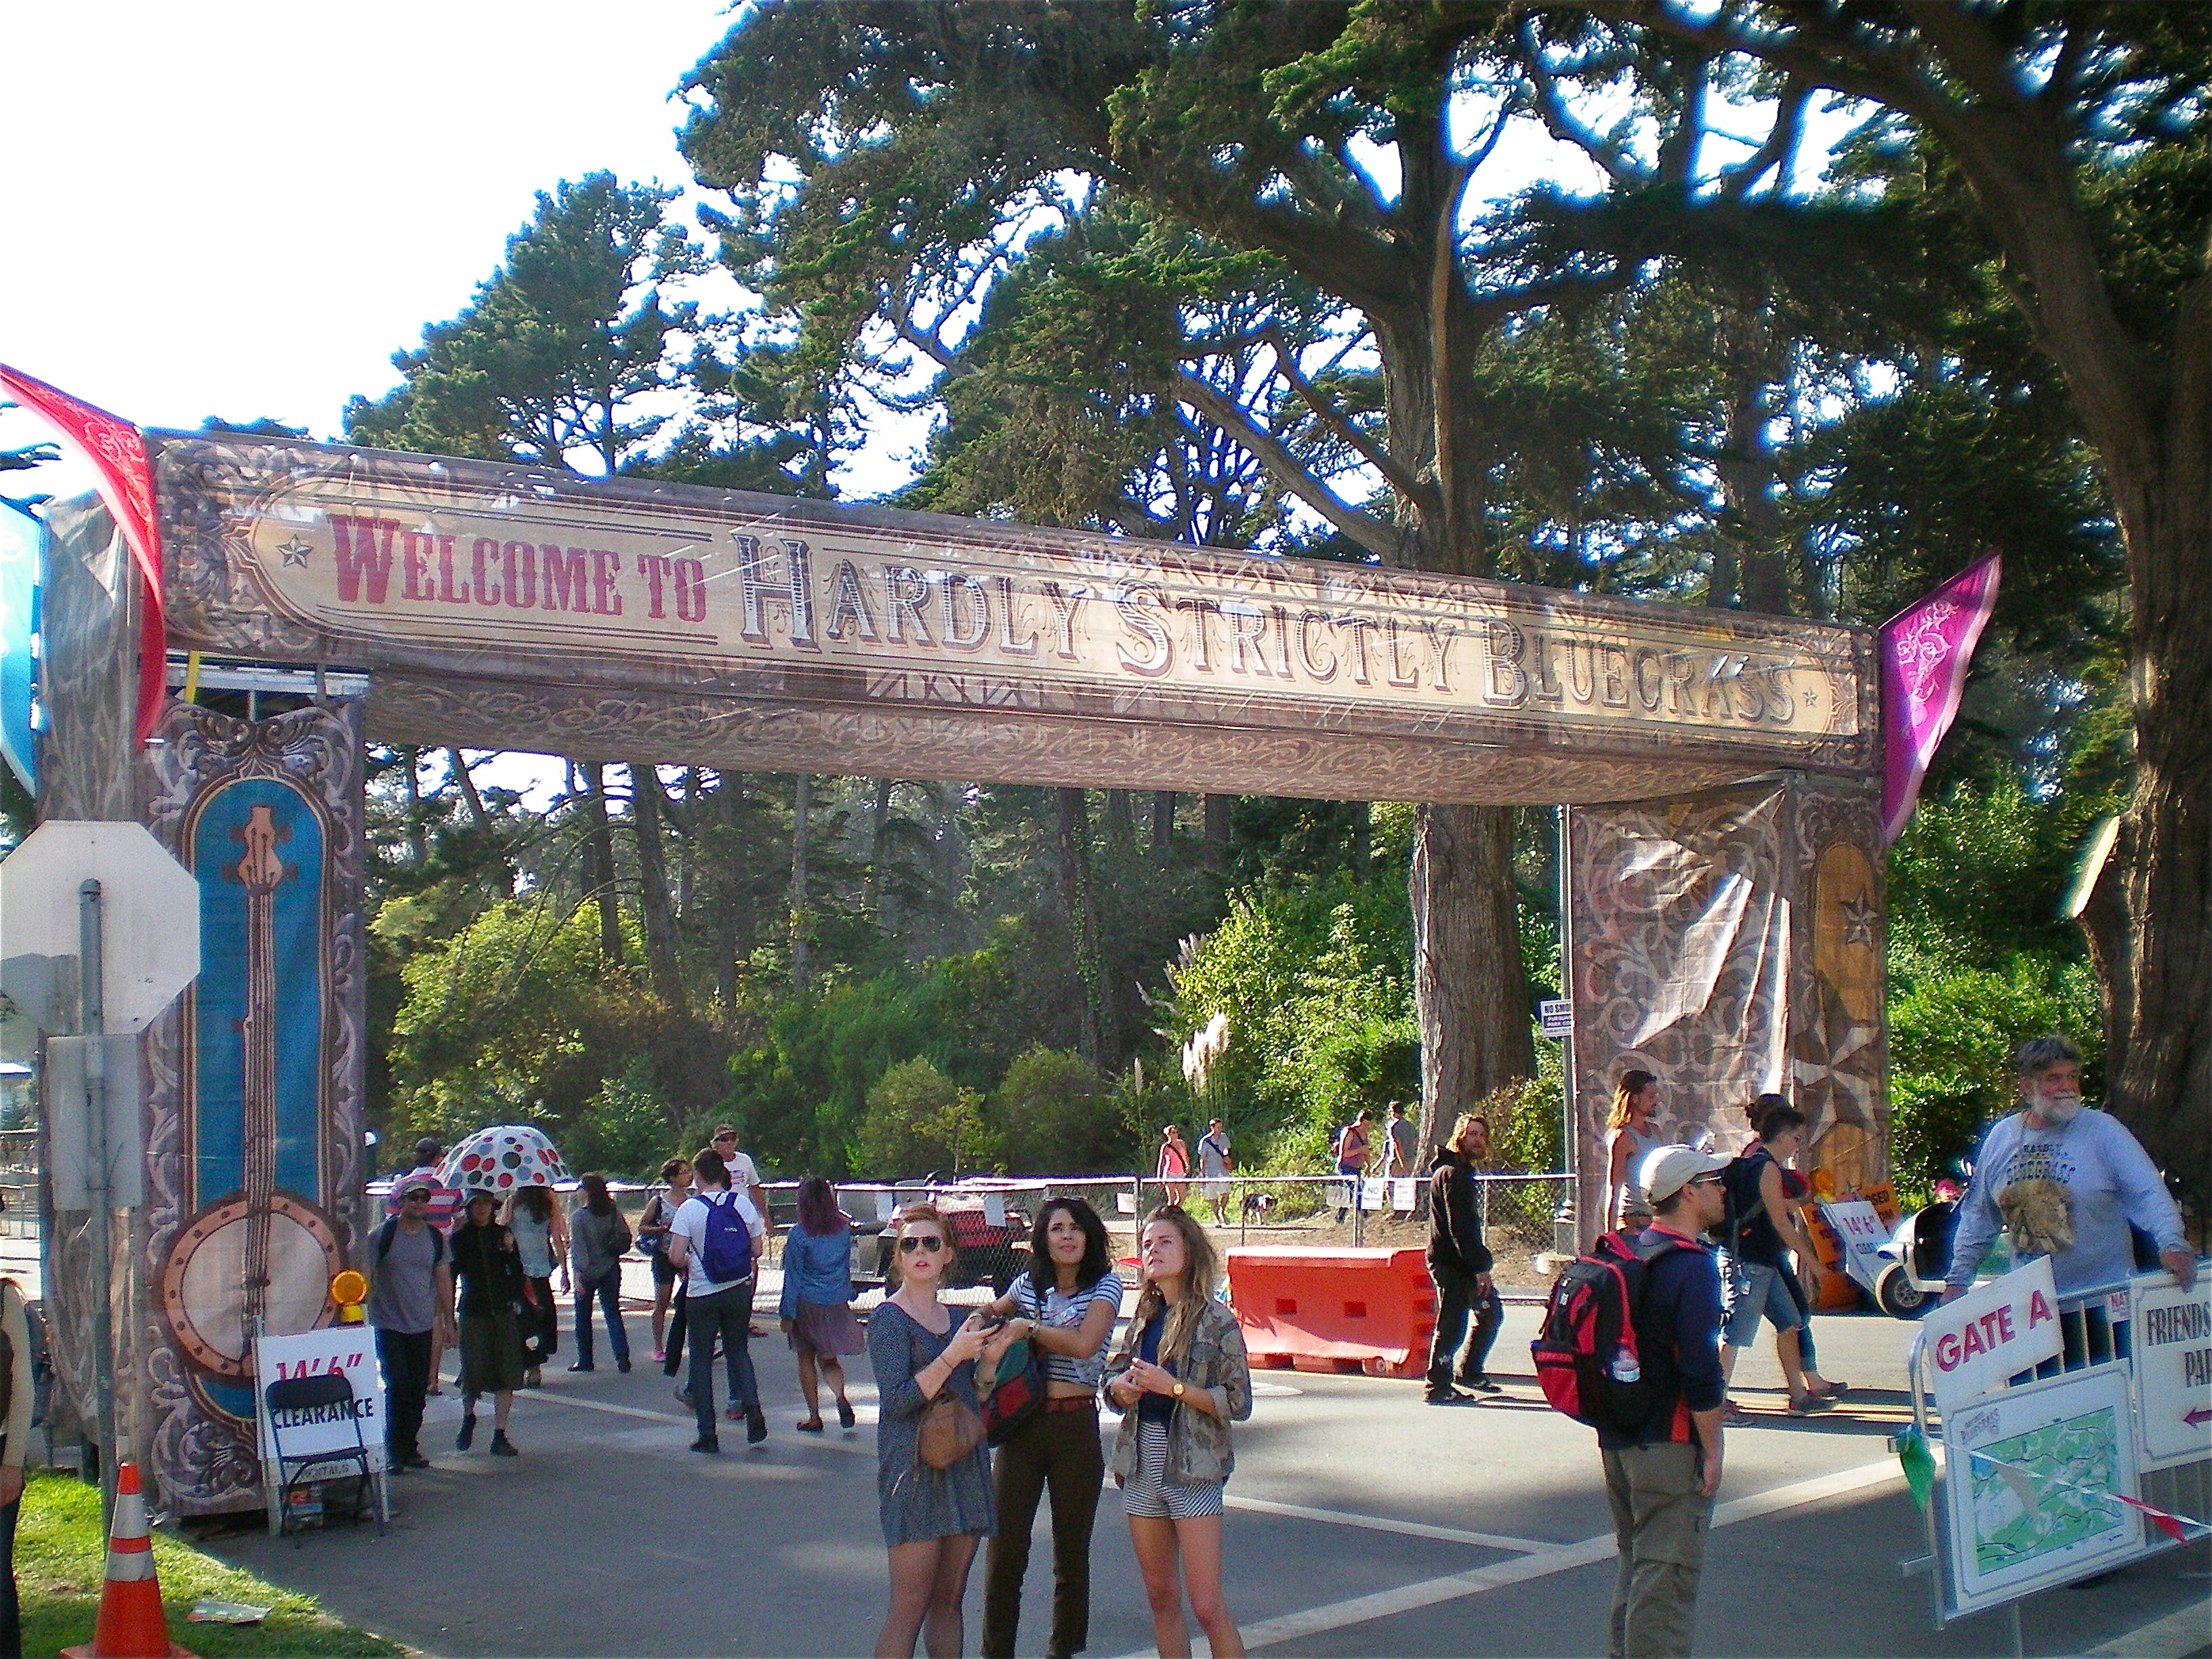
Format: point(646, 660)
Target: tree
point(886, 160)
point(552, 357)
point(921, 1122)
point(2082, 136)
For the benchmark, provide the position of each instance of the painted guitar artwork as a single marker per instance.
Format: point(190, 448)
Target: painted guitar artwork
point(261, 1254)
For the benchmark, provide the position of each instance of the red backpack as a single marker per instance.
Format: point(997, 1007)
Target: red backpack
point(1587, 1355)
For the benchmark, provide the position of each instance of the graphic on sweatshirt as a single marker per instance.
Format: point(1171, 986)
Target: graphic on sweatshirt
point(2035, 1202)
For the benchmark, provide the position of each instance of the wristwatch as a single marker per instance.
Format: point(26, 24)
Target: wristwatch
point(1178, 1390)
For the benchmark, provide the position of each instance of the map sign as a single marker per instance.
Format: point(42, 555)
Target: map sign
point(2034, 1479)
point(2172, 1338)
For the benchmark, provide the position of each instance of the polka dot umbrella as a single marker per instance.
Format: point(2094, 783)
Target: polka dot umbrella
point(502, 1158)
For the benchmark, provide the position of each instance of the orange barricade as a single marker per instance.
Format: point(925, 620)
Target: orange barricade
point(1316, 1309)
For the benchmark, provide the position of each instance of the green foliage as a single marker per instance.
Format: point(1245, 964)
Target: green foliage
point(1527, 1118)
point(1951, 1041)
point(553, 354)
point(1052, 1112)
point(919, 1122)
point(624, 1130)
point(58, 1550)
point(1315, 982)
point(514, 1018)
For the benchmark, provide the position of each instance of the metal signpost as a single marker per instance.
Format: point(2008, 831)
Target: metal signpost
point(108, 895)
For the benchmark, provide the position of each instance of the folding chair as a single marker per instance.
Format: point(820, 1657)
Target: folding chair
point(314, 1394)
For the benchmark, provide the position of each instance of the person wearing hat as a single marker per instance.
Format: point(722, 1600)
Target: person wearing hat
point(488, 1266)
point(410, 1303)
point(443, 1210)
point(1660, 1478)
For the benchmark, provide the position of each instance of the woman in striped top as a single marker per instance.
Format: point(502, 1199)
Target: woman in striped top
point(1065, 1304)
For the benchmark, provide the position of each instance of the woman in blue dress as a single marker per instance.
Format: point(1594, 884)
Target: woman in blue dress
point(933, 1518)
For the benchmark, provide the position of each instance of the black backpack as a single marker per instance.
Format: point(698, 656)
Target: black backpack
point(1745, 1208)
point(1589, 1359)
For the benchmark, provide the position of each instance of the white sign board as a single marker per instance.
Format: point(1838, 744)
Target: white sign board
point(1402, 1189)
point(2171, 1331)
point(1994, 1332)
point(348, 1348)
point(1556, 1017)
point(2032, 1480)
point(1857, 1224)
point(150, 911)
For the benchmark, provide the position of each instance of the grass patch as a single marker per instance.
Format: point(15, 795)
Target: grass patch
point(61, 1561)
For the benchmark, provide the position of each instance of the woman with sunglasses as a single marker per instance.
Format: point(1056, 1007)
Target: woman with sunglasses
point(933, 1518)
point(1179, 1381)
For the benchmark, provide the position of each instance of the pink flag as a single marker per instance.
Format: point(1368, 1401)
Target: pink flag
point(117, 454)
point(1925, 649)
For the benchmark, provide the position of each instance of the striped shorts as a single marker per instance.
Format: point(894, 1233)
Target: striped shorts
point(1146, 1494)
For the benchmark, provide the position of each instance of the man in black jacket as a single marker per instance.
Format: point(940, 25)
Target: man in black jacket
point(1459, 1262)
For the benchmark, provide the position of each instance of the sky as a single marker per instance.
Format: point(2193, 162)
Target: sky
point(243, 208)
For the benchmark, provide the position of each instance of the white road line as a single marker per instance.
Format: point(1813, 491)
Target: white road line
point(1488, 1541)
point(824, 1443)
point(1452, 1586)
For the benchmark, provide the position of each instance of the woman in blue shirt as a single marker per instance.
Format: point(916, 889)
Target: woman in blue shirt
point(817, 1293)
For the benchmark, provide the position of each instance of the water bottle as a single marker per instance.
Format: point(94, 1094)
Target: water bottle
point(1624, 1368)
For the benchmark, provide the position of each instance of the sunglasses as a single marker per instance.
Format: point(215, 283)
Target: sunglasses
point(920, 1242)
point(732, 1139)
point(1705, 1181)
point(413, 1198)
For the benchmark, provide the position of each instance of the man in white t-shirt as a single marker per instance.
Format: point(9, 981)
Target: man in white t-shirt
point(717, 1308)
point(743, 1176)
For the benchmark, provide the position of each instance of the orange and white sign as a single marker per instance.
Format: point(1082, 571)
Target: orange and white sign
point(1994, 1332)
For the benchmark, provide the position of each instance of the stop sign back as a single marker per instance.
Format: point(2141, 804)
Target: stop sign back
point(149, 905)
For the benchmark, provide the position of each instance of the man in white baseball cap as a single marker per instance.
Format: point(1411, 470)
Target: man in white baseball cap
point(1660, 1479)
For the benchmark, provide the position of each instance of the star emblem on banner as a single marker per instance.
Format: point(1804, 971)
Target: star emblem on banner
point(1834, 1061)
point(296, 552)
point(1859, 918)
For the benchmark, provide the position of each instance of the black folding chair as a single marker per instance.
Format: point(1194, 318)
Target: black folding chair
point(298, 1393)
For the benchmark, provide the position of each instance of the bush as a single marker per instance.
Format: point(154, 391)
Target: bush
point(919, 1122)
point(1053, 1113)
point(1951, 1042)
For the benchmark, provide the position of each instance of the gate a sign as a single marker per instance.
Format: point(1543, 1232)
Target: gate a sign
point(2170, 1329)
point(1992, 1332)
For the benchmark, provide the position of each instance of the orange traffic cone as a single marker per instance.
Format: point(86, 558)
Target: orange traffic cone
point(131, 1624)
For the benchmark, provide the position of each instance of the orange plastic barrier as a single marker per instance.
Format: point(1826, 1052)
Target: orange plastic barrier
point(1315, 1309)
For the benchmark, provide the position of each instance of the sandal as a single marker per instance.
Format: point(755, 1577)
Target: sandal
point(1829, 1391)
point(845, 1418)
point(811, 1425)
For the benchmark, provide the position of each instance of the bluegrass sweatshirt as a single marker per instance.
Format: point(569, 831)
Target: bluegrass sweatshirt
point(2108, 1179)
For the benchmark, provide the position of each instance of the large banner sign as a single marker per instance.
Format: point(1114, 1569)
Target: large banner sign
point(699, 623)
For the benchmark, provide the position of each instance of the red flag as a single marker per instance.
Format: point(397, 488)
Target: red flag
point(117, 454)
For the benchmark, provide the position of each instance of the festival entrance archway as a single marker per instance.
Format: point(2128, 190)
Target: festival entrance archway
point(1725, 897)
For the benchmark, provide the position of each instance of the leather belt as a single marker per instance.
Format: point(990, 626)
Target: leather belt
point(1072, 1403)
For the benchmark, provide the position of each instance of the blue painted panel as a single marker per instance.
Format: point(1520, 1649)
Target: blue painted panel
point(221, 992)
point(22, 554)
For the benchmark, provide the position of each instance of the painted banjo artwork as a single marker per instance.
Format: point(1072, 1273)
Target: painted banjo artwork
point(264, 1105)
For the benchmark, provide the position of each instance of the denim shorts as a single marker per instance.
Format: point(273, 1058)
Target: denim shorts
point(1755, 1288)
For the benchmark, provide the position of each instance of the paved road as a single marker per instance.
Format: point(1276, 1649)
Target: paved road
point(1362, 1523)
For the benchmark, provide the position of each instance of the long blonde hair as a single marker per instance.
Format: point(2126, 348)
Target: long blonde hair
point(1632, 1085)
point(1197, 1288)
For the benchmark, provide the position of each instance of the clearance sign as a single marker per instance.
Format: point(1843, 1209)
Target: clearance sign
point(1993, 1333)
